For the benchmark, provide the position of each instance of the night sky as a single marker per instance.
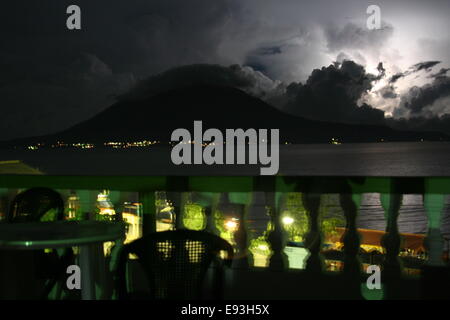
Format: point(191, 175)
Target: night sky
point(52, 78)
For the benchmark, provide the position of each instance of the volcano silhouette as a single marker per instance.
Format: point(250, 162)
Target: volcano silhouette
point(155, 118)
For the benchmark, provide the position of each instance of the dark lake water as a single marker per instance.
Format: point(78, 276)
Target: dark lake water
point(412, 215)
point(412, 218)
point(370, 159)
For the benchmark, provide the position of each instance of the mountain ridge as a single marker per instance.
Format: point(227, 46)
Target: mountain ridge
point(155, 118)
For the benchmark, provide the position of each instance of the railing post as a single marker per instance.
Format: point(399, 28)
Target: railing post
point(313, 241)
point(147, 198)
point(257, 210)
point(435, 274)
point(178, 186)
point(434, 205)
point(211, 220)
point(276, 238)
point(88, 200)
point(4, 202)
point(210, 212)
point(350, 203)
point(241, 239)
point(391, 204)
point(236, 204)
point(176, 200)
point(392, 269)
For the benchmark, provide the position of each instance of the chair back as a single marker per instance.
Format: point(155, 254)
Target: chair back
point(32, 204)
point(175, 263)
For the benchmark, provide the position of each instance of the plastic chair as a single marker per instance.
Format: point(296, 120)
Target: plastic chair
point(34, 205)
point(175, 263)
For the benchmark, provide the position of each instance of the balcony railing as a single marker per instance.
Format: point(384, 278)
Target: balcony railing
point(278, 280)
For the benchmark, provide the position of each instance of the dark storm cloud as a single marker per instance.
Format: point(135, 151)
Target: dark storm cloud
point(46, 98)
point(397, 76)
point(53, 78)
point(418, 99)
point(388, 92)
point(136, 36)
point(381, 70)
point(441, 73)
point(244, 78)
point(425, 65)
point(332, 94)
